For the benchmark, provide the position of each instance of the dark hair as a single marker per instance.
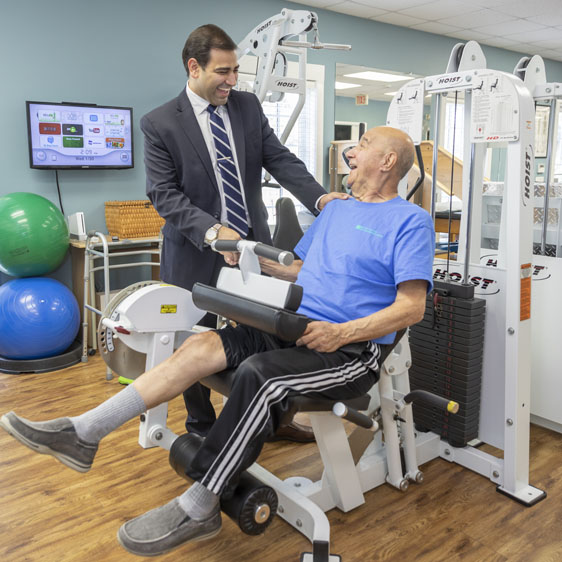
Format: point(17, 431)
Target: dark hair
point(200, 42)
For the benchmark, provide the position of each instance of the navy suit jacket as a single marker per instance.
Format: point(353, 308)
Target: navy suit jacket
point(182, 185)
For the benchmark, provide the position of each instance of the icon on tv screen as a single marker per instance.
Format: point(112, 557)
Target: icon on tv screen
point(73, 142)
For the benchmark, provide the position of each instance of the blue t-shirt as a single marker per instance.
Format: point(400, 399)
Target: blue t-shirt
point(355, 255)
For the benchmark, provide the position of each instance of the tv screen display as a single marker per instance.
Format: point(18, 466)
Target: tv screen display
point(72, 135)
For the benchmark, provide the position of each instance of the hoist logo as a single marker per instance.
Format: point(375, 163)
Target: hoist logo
point(540, 273)
point(485, 285)
point(264, 26)
point(283, 84)
point(527, 180)
point(451, 80)
point(493, 138)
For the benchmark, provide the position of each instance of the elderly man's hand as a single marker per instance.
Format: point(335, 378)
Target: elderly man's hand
point(322, 336)
point(275, 269)
point(325, 199)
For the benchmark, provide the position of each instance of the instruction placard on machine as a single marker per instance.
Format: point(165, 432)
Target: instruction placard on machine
point(495, 109)
point(406, 110)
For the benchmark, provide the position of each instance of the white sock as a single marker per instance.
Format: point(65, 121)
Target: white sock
point(95, 424)
point(199, 502)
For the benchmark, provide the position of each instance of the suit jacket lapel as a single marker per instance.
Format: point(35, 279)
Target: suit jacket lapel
point(237, 125)
point(190, 126)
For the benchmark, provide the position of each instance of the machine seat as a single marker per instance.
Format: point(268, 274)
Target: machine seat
point(222, 383)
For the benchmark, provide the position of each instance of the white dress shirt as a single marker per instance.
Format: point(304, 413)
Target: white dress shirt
point(200, 105)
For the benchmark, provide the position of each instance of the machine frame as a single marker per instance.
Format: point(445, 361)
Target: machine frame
point(505, 399)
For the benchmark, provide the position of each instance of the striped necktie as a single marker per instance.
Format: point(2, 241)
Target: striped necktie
point(235, 211)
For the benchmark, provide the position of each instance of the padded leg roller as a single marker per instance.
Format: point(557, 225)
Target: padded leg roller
point(252, 505)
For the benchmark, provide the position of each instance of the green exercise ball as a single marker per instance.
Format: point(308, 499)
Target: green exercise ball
point(33, 235)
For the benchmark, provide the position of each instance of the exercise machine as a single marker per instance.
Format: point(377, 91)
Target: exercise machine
point(273, 42)
point(498, 111)
point(155, 319)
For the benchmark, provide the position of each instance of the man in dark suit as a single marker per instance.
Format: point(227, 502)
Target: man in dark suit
point(186, 184)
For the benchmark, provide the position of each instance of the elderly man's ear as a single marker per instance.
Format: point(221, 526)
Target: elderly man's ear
point(389, 161)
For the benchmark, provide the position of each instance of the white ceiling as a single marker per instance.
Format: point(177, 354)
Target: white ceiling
point(532, 27)
point(376, 90)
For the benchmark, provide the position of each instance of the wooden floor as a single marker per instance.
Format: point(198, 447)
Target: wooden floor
point(49, 513)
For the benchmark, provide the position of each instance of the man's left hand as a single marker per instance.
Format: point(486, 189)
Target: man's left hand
point(322, 336)
point(325, 199)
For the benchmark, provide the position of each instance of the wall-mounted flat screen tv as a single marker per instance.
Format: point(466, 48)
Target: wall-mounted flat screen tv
point(79, 136)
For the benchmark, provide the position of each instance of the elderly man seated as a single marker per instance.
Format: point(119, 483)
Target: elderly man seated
point(366, 270)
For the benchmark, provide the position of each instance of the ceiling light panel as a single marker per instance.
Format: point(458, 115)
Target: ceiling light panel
point(345, 85)
point(379, 76)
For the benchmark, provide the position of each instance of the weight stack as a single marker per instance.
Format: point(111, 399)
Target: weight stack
point(447, 350)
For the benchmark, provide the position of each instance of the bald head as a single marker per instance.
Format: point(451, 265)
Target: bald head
point(389, 139)
point(382, 158)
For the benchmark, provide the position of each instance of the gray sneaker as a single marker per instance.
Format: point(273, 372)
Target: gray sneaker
point(54, 437)
point(162, 529)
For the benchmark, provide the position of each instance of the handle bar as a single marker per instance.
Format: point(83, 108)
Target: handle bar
point(432, 400)
point(259, 249)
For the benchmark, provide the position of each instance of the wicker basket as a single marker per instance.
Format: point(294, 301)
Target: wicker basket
point(132, 219)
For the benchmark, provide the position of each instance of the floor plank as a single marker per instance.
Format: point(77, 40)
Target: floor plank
point(51, 513)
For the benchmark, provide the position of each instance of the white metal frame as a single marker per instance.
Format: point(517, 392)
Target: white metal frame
point(272, 43)
point(505, 402)
point(547, 270)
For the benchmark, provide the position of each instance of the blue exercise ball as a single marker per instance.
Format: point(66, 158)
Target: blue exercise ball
point(39, 317)
point(33, 234)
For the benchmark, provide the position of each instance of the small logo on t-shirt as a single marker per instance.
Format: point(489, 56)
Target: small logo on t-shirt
point(369, 230)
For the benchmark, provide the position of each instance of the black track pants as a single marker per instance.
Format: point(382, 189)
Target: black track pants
point(268, 372)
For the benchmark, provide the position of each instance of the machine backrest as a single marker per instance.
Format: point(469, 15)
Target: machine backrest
point(287, 231)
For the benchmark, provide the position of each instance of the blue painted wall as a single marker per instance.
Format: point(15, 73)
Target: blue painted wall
point(373, 114)
point(128, 52)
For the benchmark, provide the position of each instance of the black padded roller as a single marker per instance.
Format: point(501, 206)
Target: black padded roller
point(225, 246)
point(182, 451)
point(284, 324)
point(252, 505)
point(275, 254)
